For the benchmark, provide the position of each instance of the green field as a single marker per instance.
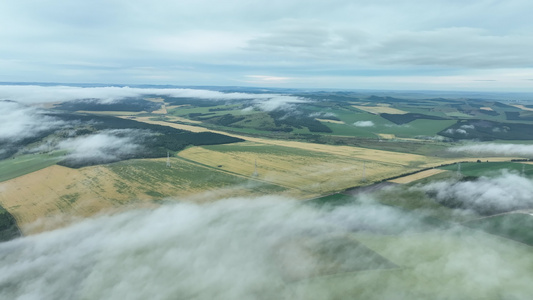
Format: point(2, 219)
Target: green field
point(515, 226)
point(490, 168)
point(24, 164)
point(183, 177)
point(449, 264)
point(418, 127)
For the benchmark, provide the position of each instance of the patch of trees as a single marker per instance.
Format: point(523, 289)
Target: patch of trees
point(8, 226)
point(9, 148)
point(199, 115)
point(221, 109)
point(489, 112)
point(129, 104)
point(192, 101)
point(502, 105)
point(225, 120)
point(488, 130)
point(281, 119)
point(164, 138)
point(401, 119)
point(385, 99)
point(515, 116)
point(329, 117)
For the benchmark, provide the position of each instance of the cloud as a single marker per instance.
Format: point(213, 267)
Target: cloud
point(315, 42)
point(265, 79)
point(322, 114)
point(506, 192)
point(44, 94)
point(468, 127)
point(261, 248)
point(20, 122)
point(221, 250)
point(279, 103)
point(495, 149)
point(454, 131)
point(455, 46)
point(104, 147)
point(364, 124)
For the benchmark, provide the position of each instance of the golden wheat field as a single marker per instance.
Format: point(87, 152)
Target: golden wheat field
point(380, 109)
point(312, 173)
point(50, 197)
point(417, 176)
point(330, 121)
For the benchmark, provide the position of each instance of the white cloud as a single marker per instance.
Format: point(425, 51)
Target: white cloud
point(496, 149)
point(506, 192)
point(322, 114)
point(178, 42)
point(19, 122)
point(364, 124)
point(104, 146)
point(44, 94)
point(279, 102)
point(468, 127)
point(454, 131)
point(257, 249)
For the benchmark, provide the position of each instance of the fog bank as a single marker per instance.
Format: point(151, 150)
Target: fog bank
point(262, 248)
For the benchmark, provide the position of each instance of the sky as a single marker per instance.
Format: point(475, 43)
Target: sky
point(482, 45)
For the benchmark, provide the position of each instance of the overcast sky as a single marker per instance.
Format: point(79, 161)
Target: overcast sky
point(483, 45)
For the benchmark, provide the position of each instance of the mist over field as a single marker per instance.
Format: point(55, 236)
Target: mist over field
point(170, 150)
point(270, 248)
point(34, 94)
point(495, 149)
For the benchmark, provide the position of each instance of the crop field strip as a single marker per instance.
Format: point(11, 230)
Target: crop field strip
point(380, 109)
point(312, 173)
point(59, 193)
point(403, 159)
point(417, 176)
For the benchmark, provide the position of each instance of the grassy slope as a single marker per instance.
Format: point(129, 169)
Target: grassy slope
point(24, 164)
point(487, 168)
point(515, 226)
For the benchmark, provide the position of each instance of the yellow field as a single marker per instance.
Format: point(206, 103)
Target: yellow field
point(522, 107)
point(330, 121)
point(180, 119)
point(386, 136)
point(380, 109)
point(404, 159)
point(417, 176)
point(310, 174)
point(486, 108)
point(297, 169)
point(38, 195)
point(161, 111)
point(54, 196)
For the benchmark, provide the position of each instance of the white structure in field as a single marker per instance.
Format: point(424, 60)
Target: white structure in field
point(363, 178)
point(255, 174)
point(168, 159)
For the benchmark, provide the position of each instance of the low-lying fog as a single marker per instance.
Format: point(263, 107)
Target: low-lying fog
point(268, 248)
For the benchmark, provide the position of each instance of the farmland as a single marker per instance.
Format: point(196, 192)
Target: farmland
point(325, 194)
point(327, 147)
point(67, 194)
point(323, 144)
